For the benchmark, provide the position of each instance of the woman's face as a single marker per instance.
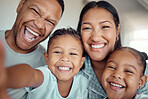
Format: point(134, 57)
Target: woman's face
point(99, 33)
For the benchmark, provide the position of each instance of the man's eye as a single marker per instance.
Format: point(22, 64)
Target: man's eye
point(50, 22)
point(35, 11)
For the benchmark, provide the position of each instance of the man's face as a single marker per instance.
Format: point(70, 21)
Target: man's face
point(35, 21)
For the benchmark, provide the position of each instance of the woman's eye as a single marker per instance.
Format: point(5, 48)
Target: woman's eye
point(105, 27)
point(86, 28)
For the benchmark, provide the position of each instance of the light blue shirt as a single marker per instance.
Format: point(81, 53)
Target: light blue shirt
point(49, 89)
point(95, 90)
point(144, 89)
point(138, 96)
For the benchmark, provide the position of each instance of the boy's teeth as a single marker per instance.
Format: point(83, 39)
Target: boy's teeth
point(97, 46)
point(116, 85)
point(32, 32)
point(64, 68)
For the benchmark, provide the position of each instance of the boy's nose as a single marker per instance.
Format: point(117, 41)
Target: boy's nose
point(64, 59)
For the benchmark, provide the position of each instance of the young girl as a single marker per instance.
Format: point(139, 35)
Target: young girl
point(59, 79)
point(124, 74)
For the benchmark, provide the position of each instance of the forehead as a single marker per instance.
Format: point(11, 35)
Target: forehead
point(126, 54)
point(64, 40)
point(97, 13)
point(48, 7)
point(124, 57)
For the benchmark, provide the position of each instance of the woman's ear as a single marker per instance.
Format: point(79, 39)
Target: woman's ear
point(142, 81)
point(46, 57)
point(118, 30)
point(20, 5)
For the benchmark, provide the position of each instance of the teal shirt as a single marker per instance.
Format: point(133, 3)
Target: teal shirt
point(49, 89)
point(95, 90)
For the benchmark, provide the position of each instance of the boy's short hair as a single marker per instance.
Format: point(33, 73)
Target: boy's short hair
point(64, 31)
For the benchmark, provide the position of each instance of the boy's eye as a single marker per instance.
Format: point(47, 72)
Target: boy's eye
point(128, 71)
point(57, 52)
point(105, 27)
point(73, 54)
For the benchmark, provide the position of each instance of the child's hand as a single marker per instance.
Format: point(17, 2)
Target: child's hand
point(3, 76)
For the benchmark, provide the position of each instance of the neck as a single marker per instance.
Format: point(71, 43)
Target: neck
point(10, 39)
point(64, 87)
point(98, 67)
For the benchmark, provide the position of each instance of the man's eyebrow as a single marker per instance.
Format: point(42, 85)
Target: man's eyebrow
point(36, 7)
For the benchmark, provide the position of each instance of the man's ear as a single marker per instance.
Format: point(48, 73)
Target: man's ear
point(22, 2)
point(142, 81)
point(46, 57)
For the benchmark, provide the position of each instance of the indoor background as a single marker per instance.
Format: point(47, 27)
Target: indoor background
point(133, 18)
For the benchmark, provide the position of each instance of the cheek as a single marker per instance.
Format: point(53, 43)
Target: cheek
point(85, 36)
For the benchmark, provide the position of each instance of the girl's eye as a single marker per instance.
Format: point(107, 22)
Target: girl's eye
point(111, 67)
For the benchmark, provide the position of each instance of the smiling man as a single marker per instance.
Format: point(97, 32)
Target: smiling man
point(35, 21)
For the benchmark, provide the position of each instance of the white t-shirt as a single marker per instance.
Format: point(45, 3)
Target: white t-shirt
point(49, 89)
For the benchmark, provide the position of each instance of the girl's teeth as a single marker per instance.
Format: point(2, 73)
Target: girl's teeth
point(64, 68)
point(97, 46)
point(116, 85)
point(32, 32)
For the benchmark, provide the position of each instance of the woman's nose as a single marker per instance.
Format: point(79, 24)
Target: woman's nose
point(96, 35)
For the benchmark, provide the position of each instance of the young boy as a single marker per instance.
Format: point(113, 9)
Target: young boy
point(59, 79)
point(124, 74)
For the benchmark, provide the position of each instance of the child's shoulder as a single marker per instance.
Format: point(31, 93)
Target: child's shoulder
point(141, 96)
